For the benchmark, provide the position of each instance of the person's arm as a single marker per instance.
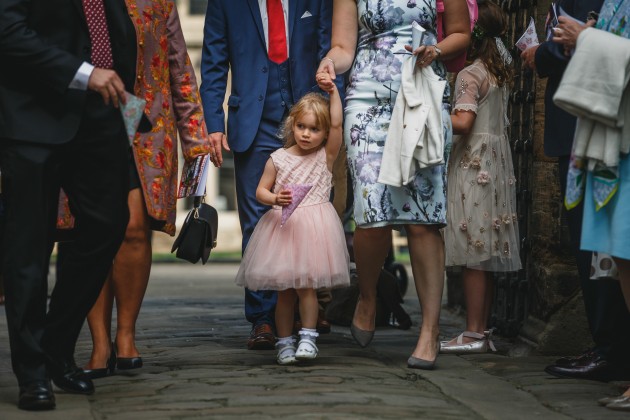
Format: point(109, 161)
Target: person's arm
point(23, 49)
point(214, 73)
point(463, 121)
point(264, 195)
point(456, 22)
point(467, 99)
point(335, 134)
point(345, 31)
point(186, 102)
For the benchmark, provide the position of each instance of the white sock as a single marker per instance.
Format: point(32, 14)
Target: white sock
point(310, 333)
point(283, 341)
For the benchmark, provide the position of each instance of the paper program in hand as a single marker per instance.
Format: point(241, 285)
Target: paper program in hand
point(298, 193)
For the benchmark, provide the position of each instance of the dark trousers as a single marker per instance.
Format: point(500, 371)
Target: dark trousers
point(606, 311)
point(248, 168)
point(92, 169)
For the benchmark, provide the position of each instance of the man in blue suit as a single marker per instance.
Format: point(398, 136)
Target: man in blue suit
point(271, 69)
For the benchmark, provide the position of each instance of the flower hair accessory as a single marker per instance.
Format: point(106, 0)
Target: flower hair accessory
point(478, 32)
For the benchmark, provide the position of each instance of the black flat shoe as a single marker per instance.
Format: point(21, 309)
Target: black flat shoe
point(109, 368)
point(126, 363)
point(73, 380)
point(37, 395)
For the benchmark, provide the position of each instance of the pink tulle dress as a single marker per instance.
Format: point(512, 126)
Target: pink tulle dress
point(309, 250)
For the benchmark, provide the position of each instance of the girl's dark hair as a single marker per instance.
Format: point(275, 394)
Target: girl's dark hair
point(491, 23)
point(314, 102)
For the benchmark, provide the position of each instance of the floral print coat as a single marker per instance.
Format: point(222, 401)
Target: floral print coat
point(166, 80)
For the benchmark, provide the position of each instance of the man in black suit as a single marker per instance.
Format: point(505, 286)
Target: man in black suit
point(65, 66)
point(608, 317)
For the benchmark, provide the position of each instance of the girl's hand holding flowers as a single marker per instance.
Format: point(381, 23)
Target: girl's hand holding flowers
point(284, 198)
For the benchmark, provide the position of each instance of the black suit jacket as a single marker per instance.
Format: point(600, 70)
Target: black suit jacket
point(551, 63)
point(42, 45)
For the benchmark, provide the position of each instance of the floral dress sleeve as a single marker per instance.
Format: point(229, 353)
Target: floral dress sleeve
point(471, 87)
point(186, 100)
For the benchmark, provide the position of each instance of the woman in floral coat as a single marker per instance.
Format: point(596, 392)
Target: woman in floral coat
point(166, 80)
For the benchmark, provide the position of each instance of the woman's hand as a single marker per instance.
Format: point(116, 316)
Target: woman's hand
point(325, 81)
point(325, 74)
point(568, 31)
point(284, 198)
point(426, 54)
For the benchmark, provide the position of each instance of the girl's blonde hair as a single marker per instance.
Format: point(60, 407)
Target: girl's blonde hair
point(314, 102)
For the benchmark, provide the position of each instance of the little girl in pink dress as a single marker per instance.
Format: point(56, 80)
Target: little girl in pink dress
point(307, 251)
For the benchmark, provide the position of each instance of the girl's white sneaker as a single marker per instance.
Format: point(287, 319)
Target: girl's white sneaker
point(306, 349)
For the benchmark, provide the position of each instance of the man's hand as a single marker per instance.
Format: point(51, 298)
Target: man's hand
point(529, 57)
point(217, 140)
point(109, 85)
point(568, 31)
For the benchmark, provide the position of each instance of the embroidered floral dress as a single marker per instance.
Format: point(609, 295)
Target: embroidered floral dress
point(384, 30)
point(482, 229)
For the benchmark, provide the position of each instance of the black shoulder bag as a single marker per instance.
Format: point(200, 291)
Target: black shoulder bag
point(198, 234)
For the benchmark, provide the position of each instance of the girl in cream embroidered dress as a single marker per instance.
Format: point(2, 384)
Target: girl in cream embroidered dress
point(482, 230)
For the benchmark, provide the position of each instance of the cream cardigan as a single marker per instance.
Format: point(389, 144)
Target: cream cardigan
point(415, 138)
point(594, 88)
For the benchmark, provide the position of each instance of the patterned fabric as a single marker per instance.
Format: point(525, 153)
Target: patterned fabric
point(166, 80)
point(482, 224)
point(613, 17)
point(99, 33)
point(277, 49)
point(384, 29)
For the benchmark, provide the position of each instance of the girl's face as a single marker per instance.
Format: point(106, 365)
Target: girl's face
point(307, 133)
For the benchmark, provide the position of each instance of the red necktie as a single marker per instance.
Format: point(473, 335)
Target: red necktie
point(277, 32)
point(99, 33)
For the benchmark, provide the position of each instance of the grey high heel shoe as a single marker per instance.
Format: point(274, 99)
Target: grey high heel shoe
point(362, 337)
point(418, 363)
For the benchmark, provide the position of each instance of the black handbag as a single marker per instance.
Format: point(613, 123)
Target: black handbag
point(198, 234)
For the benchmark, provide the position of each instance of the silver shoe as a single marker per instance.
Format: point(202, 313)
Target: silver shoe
point(610, 400)
point(480, 345)
point(621, 404)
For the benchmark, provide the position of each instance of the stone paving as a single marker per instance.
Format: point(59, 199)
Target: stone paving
point(192, 337)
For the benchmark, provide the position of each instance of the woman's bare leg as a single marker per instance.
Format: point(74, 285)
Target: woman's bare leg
point(130, 274)
point(371, 246)
point(100, 322)
point(426, 249)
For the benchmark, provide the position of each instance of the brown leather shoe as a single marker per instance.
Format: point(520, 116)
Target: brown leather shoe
point(261, 338)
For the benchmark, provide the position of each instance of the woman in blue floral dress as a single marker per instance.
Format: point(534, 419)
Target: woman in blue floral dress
point(379, 30)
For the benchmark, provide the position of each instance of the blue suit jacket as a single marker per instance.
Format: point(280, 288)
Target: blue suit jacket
point(551, 62)
point(234, 39)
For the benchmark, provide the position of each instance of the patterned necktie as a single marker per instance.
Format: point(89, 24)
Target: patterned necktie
point(99, 33)
point(277, 32)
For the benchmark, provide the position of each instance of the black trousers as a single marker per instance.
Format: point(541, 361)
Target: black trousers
point(93, 171)
point(606, 311)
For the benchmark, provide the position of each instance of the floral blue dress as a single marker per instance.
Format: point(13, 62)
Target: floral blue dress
point(384, 30)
